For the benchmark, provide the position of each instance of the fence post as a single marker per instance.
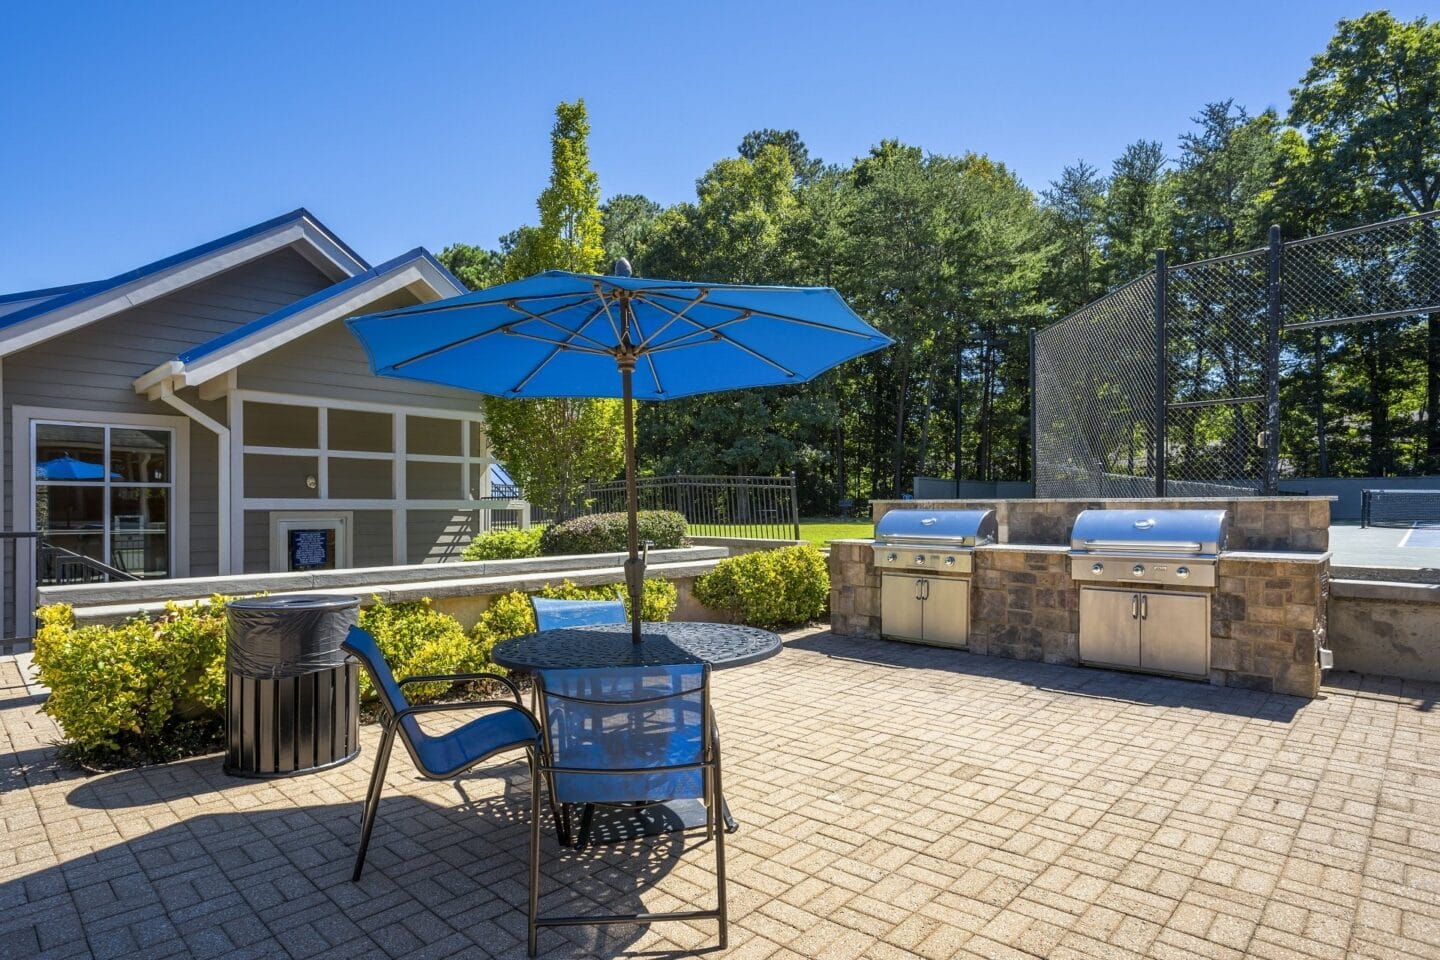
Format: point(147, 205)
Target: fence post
point(794, 507)
point(1162, 372)
point(1271, 482)
point(1034, 427)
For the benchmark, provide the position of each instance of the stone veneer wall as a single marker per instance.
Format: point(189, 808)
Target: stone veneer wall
point(1268, 614)
point(1301, 524)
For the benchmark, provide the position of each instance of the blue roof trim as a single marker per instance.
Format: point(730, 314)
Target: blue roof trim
point(85, 291)
point(314, 299)
point(47, 293)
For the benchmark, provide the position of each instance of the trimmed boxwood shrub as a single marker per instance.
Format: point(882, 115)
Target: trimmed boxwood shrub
point(504, 545)
point(145, 691)
point(605, 533)
point(417, 639)
point(769, 588)
point(511, 615)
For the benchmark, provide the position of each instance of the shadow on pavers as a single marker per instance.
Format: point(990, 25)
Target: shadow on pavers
point(1059, 678)
point(275, 882)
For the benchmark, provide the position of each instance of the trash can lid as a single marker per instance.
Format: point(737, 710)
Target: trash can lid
point(314, 601)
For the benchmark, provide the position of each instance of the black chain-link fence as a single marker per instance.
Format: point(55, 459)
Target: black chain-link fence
point(1236, 333)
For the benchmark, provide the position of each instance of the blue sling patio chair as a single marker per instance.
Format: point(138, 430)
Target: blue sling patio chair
point(627, 737)
point(444, 756)
point(554, 614)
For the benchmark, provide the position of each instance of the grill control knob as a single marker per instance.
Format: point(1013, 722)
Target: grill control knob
point(891, 558)
point(1182, 572)
point(949, 561)
point(919, 559)
point(1138, 569)
point(1097, 568)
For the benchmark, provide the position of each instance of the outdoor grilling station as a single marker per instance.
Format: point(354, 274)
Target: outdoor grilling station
point(1231, 591)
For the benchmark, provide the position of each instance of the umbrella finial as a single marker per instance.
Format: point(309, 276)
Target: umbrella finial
point(621, 268)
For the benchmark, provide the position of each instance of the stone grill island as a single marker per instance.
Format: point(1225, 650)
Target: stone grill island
point(1267, 611)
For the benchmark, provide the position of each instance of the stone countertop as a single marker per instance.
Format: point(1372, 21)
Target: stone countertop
point(928, 502)
point(1276, 556)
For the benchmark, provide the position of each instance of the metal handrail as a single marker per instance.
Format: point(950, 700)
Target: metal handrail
point(63, 558)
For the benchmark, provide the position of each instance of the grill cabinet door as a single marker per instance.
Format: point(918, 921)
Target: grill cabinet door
point(901, 606)
point(1109, 627)
point(947, 612)
point(1175, 633)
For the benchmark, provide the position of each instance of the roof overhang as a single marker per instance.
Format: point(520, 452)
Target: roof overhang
point(88, 303)
point(417, 271)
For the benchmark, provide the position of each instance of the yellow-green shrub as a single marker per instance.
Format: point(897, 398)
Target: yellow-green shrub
point(504, 545)
point(769, 588)
point(416, 640)
point(127, 689)
point(511, 615)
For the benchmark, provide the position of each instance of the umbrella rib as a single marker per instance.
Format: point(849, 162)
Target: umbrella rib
point(561, 346)
point(605, 303)
point(571, 334)
point(570, 347)
point(694, 301)
point(769, 315)
point(654, 374)
point(445, 306)
point(716, 335)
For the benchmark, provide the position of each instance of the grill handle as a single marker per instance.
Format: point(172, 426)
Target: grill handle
point(1134, 606)
point(1144, 607)
point(1150, 546)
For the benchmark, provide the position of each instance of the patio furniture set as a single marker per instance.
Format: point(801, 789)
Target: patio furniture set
point(613, 724)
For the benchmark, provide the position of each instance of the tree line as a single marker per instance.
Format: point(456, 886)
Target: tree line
point(956, 258)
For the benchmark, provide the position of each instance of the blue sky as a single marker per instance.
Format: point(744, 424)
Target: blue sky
point(133, 130)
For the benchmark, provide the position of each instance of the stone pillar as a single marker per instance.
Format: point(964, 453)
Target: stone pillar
point(854, 590)
point(1268, 621)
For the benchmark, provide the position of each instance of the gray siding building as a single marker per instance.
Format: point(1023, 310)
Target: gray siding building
point(208, 414)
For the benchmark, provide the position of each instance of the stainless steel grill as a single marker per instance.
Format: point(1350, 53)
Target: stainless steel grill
point(926, 540)
point(1126, 559)
point(925, 558)
point(1178, 547)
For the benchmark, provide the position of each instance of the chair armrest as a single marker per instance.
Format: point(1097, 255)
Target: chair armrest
point(457, 677)
point(463, 705)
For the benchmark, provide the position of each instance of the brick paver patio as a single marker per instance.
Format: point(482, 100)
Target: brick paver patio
point(896, 801)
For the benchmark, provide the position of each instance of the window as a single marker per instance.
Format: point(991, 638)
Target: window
point(106, 493)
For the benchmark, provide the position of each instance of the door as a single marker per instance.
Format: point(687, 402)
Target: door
point(1110, 627)
point(901, 606)
point(1175, 633)
point(946, 612)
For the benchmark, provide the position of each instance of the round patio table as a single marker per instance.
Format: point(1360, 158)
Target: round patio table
point(722, 645)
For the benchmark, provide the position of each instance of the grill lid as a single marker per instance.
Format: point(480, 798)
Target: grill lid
point(958, 528)
point(1170, 532)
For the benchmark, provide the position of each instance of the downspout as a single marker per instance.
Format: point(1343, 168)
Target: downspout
point(222, 433)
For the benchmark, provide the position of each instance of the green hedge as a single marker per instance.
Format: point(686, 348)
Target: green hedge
point(606, 533)
point(511, 615)
point(143, 691)
point(769, 588)
point(417, 639)
point(504, 545)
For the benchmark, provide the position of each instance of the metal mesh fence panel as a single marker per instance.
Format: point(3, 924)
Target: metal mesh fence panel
point(1216, 336)
point(1094, 402)
point(1380, 271)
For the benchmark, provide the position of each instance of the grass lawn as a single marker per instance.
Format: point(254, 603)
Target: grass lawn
point(816, 530)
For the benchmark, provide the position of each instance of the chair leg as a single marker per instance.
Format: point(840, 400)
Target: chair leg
point(372, 798)
point(717, 799)
point(536, 783)
point(587, 819)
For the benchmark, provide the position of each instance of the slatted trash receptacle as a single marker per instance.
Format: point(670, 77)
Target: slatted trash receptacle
point(292, 695)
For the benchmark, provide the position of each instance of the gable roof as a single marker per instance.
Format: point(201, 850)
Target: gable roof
point(224, 353)
point(30, 318)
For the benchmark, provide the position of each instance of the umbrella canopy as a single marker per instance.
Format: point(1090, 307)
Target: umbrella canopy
point(67, 467)
point(560, 334)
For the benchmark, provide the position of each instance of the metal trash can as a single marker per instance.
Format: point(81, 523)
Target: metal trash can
point(292, 695)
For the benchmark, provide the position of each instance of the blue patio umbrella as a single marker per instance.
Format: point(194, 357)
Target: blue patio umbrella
point(560, 334)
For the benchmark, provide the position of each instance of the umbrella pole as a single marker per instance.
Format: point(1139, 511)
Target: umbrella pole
point(634, 565)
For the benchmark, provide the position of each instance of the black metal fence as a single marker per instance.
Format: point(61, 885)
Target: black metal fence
point(1171, 384)
point(765, 508)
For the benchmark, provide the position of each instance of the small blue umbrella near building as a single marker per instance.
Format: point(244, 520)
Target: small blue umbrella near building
point(561, 334)
point(67, 467)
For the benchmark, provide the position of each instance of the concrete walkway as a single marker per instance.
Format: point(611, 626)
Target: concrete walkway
point(896, 800)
